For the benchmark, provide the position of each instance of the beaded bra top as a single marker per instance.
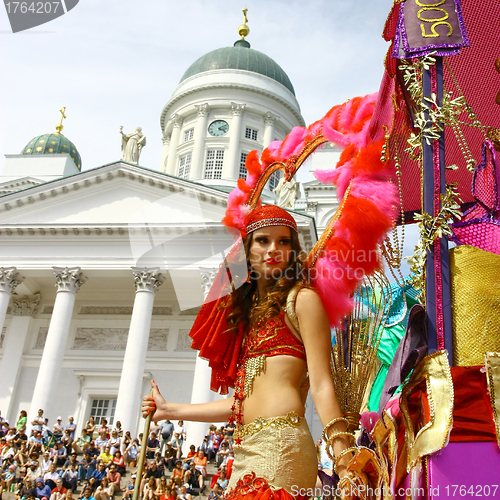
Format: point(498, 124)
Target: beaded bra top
point(274, 338)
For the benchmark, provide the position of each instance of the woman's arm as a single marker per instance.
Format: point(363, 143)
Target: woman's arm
point(315, 332)
point(216, 411)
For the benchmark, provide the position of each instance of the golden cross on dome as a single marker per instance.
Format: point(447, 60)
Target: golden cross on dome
point(60, 126)
point(243, 30)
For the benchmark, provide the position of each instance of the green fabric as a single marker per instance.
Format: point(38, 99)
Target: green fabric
point(391, 337)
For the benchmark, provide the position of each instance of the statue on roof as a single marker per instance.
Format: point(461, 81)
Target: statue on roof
point(287, 192)
point(132, 145)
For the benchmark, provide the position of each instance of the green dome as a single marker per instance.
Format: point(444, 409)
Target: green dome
point(55, 143)
point(241, 56)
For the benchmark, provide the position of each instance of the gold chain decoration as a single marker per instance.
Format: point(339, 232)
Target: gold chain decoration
point(430, 229)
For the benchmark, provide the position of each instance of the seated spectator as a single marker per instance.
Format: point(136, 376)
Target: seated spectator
point(35, 443)
point(51, 476)
point(102, 441)
point(103, 427)
point(99, 473)
point(184, 495)
point(42, 490)
point(153, 446)
point(128, 491)
point(105, 456)
point(86, 467)
point(87, 494)
point(72, 460)
point(222, 455)
point(20, 438)
point(18, 481)
point(161, 487)
point(169, 494)
point(90, 427)
point(127, 439)
point(11, 434)
point(170, 457)
point(58, 430)
point(114, 478)
point(93, 450)
point(82, 443)
point(148, 491)
point(151, 471)
point(200, 462)
point(91, 485)
point(70, 478)
point(104, 491)
point(67, 440)
point(119, 462)
point(62, 454)
point(160, 463)
point(178, 473)
point(34, 471)
point(217, 493)
point(132, 452)
point(222, 481)
point(114, 442)
point(27, 490)
point(9, 478)
point(118, 428)
point(194, 479)
point(190, 456)
point(59, 492)
point(45, 462)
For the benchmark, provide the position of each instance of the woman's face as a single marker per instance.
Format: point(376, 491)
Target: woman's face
point(270, 251)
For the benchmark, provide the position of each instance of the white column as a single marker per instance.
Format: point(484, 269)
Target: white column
point(232, 161)
point(9, 279)
point(68, 282)
point(201, 392)
point(269, 120)
point(174, 142)
point(23, 308)
point(164, 152)
point(128, 405)
point(200, 131)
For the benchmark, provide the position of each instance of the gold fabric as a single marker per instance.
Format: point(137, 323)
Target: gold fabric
point(280, 450)
point(493, 367)
point(475, 304)
point(435, 433)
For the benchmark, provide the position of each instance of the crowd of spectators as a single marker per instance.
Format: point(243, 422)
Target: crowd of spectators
point(57, 463)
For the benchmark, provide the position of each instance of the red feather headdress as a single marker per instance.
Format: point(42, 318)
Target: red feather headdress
point(348, 248)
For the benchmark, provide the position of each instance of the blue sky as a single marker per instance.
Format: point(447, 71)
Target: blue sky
point(117, 63)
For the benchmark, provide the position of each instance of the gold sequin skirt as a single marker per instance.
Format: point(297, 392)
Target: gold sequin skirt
point(280, 450)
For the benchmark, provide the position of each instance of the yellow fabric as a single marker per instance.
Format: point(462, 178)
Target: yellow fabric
point(280, 450)
point(475, 303)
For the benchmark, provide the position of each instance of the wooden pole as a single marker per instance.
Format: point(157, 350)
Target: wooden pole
point(142, 455)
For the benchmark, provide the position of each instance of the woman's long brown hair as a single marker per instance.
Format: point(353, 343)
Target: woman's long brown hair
point(270, 306)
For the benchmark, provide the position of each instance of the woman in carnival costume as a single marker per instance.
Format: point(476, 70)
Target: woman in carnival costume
point(279, 322)
point(269, 338)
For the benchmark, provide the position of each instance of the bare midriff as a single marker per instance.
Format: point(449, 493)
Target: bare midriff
point(277, 391)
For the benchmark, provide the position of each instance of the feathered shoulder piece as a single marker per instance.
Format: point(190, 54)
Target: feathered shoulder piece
point(349, 247)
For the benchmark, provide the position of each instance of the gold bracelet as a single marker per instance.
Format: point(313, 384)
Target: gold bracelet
point(331, 424)
point(336, 460)
point(333, 437)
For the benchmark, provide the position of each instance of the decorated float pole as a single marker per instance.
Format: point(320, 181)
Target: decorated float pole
point(438, 301)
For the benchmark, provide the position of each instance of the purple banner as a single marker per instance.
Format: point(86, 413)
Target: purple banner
point(426, 26)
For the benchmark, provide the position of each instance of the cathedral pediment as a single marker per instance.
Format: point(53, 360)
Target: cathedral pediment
point(118, 194)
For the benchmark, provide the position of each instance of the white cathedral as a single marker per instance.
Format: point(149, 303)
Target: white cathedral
point(102, 271)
